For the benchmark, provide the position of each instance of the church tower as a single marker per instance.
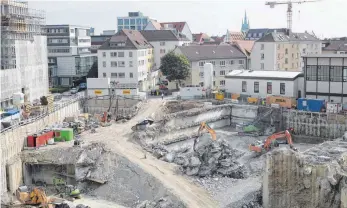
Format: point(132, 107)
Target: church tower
point(245, 24)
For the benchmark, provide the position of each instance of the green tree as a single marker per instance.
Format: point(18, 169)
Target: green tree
point(175, 67)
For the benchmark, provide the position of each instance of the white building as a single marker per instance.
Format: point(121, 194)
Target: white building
point(177, 27)
point(163, 41)
point(334, 47)
point(326, 77)
point(265, 83)
point(69, 55)
point(23, 52)
point(283, 51)
point(127, 58)
point(224, 59)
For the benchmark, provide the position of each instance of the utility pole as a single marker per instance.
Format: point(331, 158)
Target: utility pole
point(114, 94)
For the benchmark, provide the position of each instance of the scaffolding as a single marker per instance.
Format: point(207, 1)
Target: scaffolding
point(18, 22)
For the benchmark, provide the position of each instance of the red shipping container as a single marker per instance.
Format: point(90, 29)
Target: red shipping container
point(41, 141)
point(50, 135)
point(31, 141)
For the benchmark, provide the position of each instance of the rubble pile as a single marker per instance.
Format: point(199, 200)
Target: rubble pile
point(160, 203)
point(214, 158)
point(177, 106)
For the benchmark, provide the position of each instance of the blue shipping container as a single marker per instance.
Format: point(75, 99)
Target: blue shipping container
point(313, 105)
point(302, 104)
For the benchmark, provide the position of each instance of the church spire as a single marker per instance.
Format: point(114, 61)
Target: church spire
point(245, 23)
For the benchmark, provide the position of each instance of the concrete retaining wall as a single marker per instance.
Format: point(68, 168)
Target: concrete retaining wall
point(12, 141)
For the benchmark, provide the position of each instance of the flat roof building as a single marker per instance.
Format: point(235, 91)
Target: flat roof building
point(326, 77)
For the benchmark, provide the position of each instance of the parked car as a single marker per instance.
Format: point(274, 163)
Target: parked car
point(73, 90)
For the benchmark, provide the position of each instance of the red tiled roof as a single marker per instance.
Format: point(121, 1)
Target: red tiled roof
point(155, 24)
point(177, 25)
point(200, 37)
point(236, 35)
point(244, 45)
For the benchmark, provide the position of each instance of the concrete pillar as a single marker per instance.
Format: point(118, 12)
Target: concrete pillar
point(14, 175)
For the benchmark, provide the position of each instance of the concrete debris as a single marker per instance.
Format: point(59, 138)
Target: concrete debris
point(160, 203)
point(215, 158)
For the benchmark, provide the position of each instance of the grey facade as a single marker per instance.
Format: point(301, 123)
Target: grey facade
point(69, 53)
point(326, 77)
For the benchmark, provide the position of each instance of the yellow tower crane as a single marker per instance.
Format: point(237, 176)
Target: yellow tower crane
point(290, 3)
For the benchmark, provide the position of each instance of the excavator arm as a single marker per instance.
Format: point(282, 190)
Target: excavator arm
point(203, 126)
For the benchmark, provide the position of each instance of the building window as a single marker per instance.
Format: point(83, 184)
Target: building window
point(130, 54)
point(345, 74)
point(162, 43)
point(113, 63)
point(104, 75)
point(130, 63)
point(103, 54)
point(72, 31)
point(138, 21)
point(201, 63)
point(222, 73)
point(286, 50)
point(214, 83)
point(282, 88)
point(311, 73)
point(126, 21)
point(304, 50)
point(256, 87)
point(121, 75)
point(120, 54)
point(262, 47)
point(201, 84)
point(262, 66)
point(241, 62)
point(214, 73)
point(201, 74)
point(269, 88)
point(131, 75)
point(278, 46)
point(244, 86)
point(336, 73)
point(231, 62)
point(104, 64)
point(222, 82)
point(113, 75)
point(121, 63)
point(286, 61)
point(213, 63)
point(113, 54)
point(139, 27)
point(132, 21)
point(162, 51)
point(323, 73)
point(262, 56)
point(222, 63)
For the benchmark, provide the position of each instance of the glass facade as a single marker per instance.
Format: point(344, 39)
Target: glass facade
point(126, 21)
point(144, 21)
point(84, 64)
point(138, 21)
point(120, 28)
point(139, 28)
point(120, 21)
point(132, 21)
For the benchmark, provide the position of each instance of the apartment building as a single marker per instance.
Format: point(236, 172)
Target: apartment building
point(334, 47)
point(283, 51)
point(134, 21)
point(163, 41)
point(97, 41)
point(179, 28)
point(257, 33)
point(69, 55)
point(326, 77)
point(23, 52)
point(224, 59)
point(127, 58)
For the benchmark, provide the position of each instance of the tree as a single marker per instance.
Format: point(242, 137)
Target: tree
point(175, 67)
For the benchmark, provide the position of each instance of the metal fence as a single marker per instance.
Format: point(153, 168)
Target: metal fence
point(23, 122)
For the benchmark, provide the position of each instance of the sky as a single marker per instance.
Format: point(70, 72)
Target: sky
point(326, 18)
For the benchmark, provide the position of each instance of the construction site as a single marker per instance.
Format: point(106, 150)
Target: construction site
point(194, 153)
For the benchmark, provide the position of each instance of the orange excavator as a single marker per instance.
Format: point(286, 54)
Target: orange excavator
point(203, 126)
point(273, 141)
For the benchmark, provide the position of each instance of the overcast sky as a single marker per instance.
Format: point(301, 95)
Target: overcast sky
point(326, 18)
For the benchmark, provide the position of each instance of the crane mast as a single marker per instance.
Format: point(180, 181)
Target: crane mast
point(289, 3)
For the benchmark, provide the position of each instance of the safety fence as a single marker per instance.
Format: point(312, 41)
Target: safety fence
point(41, 115)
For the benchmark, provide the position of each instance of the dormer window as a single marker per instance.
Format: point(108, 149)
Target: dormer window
point(117, 44)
